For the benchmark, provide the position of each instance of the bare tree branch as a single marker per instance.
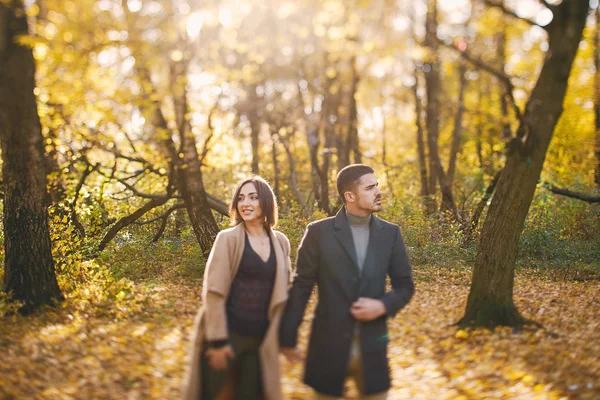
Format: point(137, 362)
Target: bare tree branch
point(74, 218)
point(211, 129)
point(217, 205)
point(474, 221)
point(163, 215)
point(575, 195)
point(511, 13)
point(131, 187)
point(500, 75)
point(129, 219)
point(161, 229)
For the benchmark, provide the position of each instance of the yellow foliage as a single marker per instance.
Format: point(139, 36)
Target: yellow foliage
point(139, 332)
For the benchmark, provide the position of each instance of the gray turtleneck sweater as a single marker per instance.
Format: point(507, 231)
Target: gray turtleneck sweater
point(360, 227)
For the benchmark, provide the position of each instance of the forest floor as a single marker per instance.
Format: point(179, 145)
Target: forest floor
point(134, 344)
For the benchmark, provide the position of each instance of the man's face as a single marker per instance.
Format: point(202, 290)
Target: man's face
point(365, 198)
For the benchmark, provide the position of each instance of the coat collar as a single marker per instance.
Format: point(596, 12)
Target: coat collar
point(280, 287)
point(344, 236)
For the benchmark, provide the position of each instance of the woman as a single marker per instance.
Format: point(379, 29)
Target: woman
point(235, 342)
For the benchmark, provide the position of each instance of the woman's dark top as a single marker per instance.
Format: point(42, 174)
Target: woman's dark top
point(250, 293)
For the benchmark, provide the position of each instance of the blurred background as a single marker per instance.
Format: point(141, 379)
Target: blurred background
point(151, 111)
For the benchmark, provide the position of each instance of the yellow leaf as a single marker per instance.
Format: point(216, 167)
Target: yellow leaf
point(528, 379)
point(462, 334)
point(539, 387)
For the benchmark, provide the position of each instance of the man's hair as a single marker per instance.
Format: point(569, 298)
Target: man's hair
point(266, 198)
point(350, 176)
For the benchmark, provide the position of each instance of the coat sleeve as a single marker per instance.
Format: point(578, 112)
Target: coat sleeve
point(304, 281)
point(400, 274)
point(217, 281)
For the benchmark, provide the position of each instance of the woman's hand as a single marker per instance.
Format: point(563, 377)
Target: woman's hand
point(218, 358)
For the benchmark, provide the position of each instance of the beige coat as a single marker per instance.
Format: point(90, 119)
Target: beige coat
point(221, 268)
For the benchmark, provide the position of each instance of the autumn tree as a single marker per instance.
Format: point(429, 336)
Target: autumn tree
point(28, 266)
point(490, 301)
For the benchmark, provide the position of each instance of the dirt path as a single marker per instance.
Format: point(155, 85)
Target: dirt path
point(136, 349)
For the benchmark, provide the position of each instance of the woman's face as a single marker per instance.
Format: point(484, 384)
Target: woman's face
point(248, 204)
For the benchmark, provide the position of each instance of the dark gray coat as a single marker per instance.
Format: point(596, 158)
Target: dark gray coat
point(327, 257)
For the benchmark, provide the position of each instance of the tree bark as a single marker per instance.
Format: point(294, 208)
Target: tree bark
point(189, 175)
point(285, 141)
point(130, 219)
point(490, 302)
point(28, 265)
point(426, 195)
point(433, 88)
point(313, 140)
point(501, 50)
point(275, 165)
point(455, 147)
point(575, 195)
point(353, 142)
point(254, 120)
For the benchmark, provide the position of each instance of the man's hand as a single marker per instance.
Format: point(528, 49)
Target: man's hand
point(217, 358)
point(292, 354)
point(366, 309)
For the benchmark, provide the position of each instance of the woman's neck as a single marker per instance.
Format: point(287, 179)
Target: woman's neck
point(255, 228)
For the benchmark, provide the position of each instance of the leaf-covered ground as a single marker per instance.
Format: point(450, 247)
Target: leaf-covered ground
point(133, 345)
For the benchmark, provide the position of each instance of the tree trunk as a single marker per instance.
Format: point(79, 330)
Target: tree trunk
point(388, 177)
point(285, 141)
point(490, 302)
point(325, 128)
point(353, 142)
point(254, 120)
point(455, 147)
point(313, 139)
point(426, 195)
point(501, 49)
point(275, 166)
point(324, 168)
point(189, 175)
point(433, 88)
point(28, 265)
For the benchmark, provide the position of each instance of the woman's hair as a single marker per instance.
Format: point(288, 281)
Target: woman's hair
point(266, 198)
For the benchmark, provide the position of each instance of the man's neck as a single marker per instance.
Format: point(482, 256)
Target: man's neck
point(354, 219)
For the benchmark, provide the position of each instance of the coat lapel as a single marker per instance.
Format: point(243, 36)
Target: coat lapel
point(280, 292)
point(344, 236)
point(376, 237)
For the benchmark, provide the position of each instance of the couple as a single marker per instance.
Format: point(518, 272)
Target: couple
point(248, 316)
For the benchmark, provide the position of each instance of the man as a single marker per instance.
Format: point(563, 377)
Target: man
point(349, 256)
